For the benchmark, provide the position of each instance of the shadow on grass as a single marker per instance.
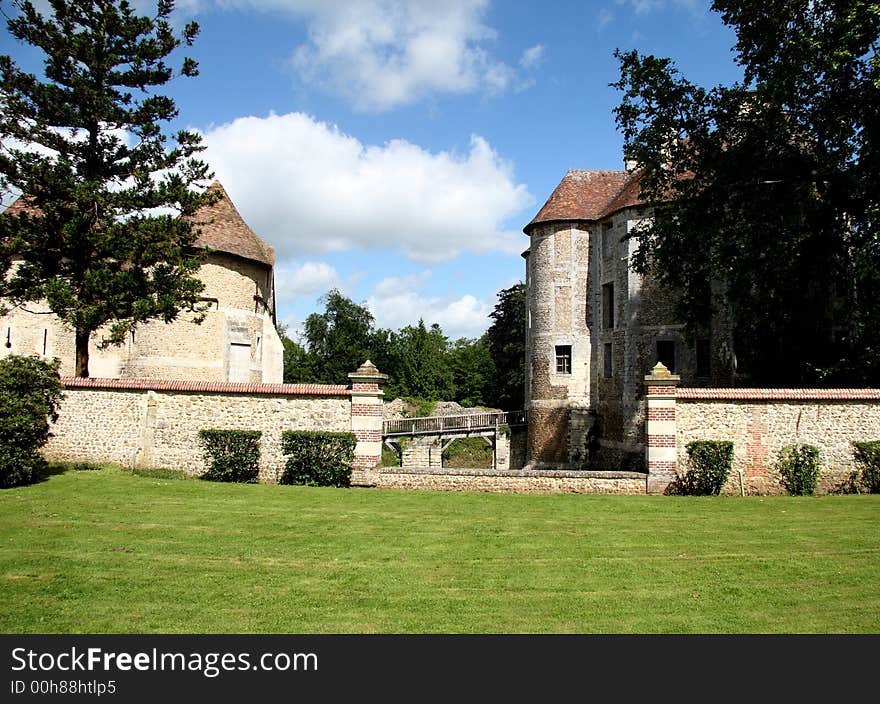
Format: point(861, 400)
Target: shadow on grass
point(51, 469)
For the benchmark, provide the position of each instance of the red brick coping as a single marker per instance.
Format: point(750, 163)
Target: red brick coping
point(218, 387)
point(778, 394)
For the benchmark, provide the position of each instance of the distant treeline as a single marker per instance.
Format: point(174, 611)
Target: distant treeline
point(421, 361)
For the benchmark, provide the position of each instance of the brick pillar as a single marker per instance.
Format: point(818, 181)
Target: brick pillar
point(366, 420)
point(660, 428)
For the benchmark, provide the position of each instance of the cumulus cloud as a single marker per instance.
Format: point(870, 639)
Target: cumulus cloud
point(308, 188)
point(306, 279)
point(398, 301)
point(381, 54)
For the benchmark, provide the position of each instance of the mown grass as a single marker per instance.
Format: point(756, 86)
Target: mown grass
point(110, 552)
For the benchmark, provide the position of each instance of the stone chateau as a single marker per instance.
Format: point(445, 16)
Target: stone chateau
point(236, 342)
point(595, 328)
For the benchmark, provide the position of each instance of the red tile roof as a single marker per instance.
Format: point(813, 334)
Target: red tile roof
point(589, 195)
point(22, 205)
point(223, 229)
point(733, 394)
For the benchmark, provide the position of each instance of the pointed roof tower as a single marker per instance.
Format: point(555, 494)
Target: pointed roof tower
point(223, 229)
point(589, 195)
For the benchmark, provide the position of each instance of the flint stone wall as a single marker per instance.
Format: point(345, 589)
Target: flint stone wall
point(143, 423)
point(760, 422)
point(511, 481)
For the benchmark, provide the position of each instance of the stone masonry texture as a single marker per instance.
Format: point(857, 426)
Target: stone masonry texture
point(760, 422)
point(143, 427)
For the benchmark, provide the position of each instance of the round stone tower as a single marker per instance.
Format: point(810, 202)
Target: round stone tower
point(559, 338)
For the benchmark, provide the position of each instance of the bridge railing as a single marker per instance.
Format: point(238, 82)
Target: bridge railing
point(437, 425)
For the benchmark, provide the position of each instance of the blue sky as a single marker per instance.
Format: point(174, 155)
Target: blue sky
point(395, 149)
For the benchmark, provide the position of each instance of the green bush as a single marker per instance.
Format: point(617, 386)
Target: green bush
point(867, 456)
point(30, 392)
point(798, 467)
point(231, 455)
point(709, 464)
point(317, 458)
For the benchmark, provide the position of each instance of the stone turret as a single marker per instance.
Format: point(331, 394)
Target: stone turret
point(236, 341)
point(595, 327)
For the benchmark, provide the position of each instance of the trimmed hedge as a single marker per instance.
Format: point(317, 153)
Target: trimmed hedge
point(30, 392)
point(231, 455)
point(867, 455)
point(798, 467)
point(710, 462)
point(317, 458)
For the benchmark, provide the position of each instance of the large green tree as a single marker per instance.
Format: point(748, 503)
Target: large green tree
point(338, 340)
point(86, 143)
point(422, 362)
point(507, 346)
point(770, 187)
point(473, 371)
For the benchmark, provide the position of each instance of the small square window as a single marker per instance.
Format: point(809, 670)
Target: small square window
point(608, 360)
point(563, 359)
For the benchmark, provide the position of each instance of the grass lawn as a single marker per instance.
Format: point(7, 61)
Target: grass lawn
point(110, 552)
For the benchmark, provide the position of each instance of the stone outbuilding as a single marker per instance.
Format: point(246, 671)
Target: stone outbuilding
point(237, 341)
point(595, 328)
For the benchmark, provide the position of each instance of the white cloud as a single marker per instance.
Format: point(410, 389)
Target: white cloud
point(645, 7)
point(532, 56)
point(604, 18)
point(398, 301)
point(306, 187)
point(381, 54)
point(306, 279)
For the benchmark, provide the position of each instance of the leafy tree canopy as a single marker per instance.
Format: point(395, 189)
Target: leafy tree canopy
point(507, 342)
point(420, 360)
point(85, 144)
point(338, 339)
point(770, 187)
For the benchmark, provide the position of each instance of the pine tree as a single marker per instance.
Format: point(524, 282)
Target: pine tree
point(85, 144)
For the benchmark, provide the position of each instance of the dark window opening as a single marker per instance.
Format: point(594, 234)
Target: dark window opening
point(563, 359)
point(608, 360)
point(704, 358)
point(608, 306)
point(606, 239)
point(666, 354)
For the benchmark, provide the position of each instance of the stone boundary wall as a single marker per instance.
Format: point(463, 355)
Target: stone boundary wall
point(150, 423)
point(510, 481)
point(760, 422)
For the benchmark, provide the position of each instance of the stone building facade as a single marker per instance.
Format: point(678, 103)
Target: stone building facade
point(595, 328)
point(236, 342)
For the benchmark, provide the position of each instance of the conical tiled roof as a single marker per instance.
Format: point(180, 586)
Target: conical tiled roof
point(589, 195)
point(22, 205)
point(223, 229)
